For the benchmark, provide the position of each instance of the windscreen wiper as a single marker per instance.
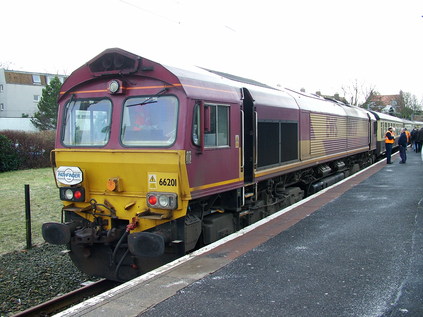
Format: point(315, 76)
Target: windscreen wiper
point(152, 99)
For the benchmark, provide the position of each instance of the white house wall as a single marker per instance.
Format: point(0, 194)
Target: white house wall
point(17, 98)
point(17, 124)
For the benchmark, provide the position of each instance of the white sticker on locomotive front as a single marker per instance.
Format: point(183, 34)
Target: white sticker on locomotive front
point(163, 181)
point(152, 181)
point(69, 175)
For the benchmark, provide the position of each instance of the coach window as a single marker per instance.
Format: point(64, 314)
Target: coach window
point(216, 132)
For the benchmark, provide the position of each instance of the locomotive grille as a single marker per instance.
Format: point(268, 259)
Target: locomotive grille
point(328, 134)
point(277, 142)
point(358, 132)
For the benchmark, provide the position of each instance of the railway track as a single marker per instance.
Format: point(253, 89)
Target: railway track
point(60, 303)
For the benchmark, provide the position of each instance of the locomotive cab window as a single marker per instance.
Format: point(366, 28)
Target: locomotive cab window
point(216, 125)
point(216, 132)
point(149, 121)
point(87, 122)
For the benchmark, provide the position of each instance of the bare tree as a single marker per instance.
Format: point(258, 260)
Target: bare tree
point(410, 105)
point(358, 93)
point(6, 65)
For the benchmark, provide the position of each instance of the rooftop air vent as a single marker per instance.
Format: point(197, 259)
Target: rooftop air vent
point(113, 63)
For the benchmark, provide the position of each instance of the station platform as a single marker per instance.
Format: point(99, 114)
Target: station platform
point(353, 249)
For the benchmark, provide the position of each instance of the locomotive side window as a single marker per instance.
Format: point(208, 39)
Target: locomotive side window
point(196, 129)
point(217, 134)
point(87, 122)
point(149, 121)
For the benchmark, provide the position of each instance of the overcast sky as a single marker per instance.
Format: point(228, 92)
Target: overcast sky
point(317, 45)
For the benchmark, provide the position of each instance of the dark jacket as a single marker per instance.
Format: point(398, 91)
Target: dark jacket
point(413, 134)
point(403, 139)
point(419, 137)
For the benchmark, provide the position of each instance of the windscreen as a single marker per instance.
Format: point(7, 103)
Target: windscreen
point(149, 121)
point(87, 122)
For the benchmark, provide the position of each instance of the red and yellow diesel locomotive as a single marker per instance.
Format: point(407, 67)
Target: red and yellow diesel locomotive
point(153, 161)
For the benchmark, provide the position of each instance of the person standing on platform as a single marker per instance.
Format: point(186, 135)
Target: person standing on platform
point(389, 143)
point(408, 135)
point(419, 140)
point(402, 143)
point(413, 134)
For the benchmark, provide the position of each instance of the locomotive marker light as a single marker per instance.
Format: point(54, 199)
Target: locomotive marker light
point(162, 200)
point(152, 200)
point(76, 194)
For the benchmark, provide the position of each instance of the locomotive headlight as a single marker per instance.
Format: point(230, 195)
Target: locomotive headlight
point(68, 194)
point(115, 87)
point(162, 200)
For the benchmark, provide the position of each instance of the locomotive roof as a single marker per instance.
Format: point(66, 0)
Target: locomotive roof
point(201, 83)
point(217, 83)
point(239, 79)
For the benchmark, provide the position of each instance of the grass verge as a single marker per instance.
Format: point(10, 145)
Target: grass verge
point(45, 206)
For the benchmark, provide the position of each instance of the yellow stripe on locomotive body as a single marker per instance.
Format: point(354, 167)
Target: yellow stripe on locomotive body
point(135, 173)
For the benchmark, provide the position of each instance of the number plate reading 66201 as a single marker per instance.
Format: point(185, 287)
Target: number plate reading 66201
point(167, 182)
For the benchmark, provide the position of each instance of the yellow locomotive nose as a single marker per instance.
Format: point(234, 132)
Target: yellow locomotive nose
point(146, 184)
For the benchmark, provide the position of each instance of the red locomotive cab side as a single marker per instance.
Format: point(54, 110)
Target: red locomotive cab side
point(216, 149)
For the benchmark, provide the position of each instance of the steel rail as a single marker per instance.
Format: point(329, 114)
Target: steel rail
point(59, 303)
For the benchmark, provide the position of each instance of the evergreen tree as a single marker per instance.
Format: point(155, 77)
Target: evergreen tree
point(46, 116)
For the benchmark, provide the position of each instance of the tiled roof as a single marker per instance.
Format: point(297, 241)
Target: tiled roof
point(384, 99)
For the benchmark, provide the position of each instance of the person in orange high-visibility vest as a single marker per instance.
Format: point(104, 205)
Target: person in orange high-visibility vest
point(389, 142)
point(408, 135)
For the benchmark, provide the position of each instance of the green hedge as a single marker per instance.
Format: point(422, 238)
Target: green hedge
point(9, 158)
point(25, 150)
